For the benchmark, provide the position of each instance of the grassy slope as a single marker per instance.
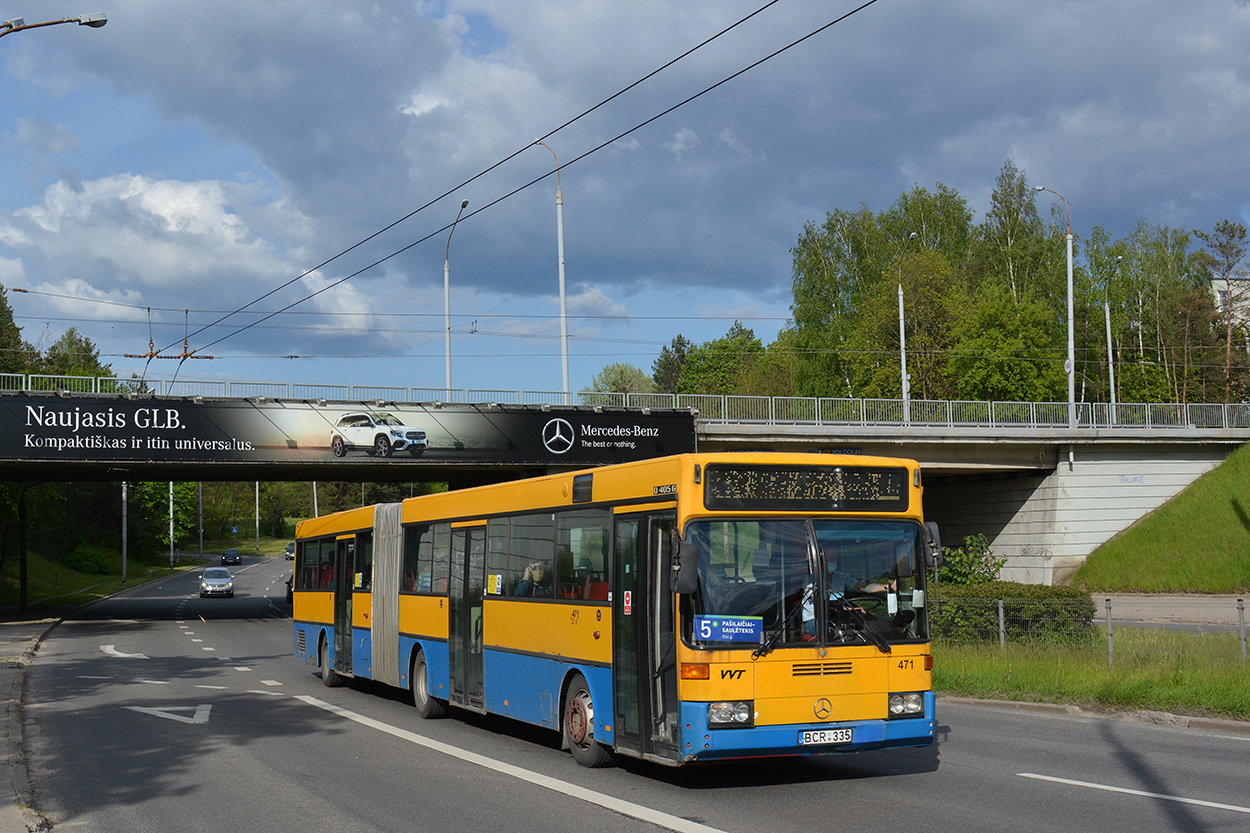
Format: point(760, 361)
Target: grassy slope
point(1198, 542)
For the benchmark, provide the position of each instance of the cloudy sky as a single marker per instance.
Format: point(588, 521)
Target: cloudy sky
point(197, 158)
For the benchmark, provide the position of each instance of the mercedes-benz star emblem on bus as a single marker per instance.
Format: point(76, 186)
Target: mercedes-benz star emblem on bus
point(558, 436)
point(823, 709)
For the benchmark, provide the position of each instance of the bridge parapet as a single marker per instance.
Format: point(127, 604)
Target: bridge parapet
point(711, 409)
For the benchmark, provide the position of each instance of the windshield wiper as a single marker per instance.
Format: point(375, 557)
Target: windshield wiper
point(779, 629)
point(851, 615)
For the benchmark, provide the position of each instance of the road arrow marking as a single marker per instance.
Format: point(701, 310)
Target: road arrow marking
point(171, 713)
point(113, 652)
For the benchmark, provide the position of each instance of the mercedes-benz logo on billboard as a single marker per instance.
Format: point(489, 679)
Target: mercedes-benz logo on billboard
point(558, 436)
point(823, 708)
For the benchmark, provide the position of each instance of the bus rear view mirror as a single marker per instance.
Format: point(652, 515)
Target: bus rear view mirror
point(685, 577)
point(933, 557)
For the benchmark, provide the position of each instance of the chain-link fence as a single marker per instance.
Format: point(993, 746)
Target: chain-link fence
point(1214, 625)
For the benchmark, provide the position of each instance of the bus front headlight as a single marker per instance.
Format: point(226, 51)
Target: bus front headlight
point(731, 714)
point(905, 704)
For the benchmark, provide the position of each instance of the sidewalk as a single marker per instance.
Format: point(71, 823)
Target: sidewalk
point(19, 639)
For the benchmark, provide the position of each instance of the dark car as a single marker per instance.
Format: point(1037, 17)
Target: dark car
point(290, 551)
point(231, 556)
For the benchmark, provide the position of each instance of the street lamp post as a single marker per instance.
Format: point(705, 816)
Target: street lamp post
point(17, 24)
point(1069, 366)
point(902, 341)
point(1110, 356)
point(447, 293)
point(564, 325)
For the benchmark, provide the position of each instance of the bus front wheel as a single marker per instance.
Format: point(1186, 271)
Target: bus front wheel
point(428, 707)
point(579, 726)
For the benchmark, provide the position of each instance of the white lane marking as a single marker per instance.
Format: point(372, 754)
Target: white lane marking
point(266, 693)
point(241, 668)
point(214, 687)
point(208, 649)
point(153, 682)
point(197, 640)
point(270, 682)
point(626, 808)
point(113, 652)
point(92, 677)
point(171, 712)
point(1196, 801)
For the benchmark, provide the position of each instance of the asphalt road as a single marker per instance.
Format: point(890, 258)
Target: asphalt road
point(159, 711)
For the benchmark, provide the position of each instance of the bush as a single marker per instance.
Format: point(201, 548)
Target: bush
point(973, 563)
point(1032, 613)
point(90, 560)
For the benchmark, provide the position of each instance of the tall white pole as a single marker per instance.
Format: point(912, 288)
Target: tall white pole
point(902, 341)
point(124, 505)
point(171, 524)
point(447, 293)
point(258, 517)
point(902, 358)
point(1069, 366)
point(1111, 355)
point(564, 321)
point(1071, 363)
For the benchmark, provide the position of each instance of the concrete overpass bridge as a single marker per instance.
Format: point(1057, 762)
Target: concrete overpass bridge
point(1044, 492)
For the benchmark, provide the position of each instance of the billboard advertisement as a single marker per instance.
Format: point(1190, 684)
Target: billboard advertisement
point(109, 428)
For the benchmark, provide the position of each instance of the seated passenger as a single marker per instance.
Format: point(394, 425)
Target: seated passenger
point(535, 582)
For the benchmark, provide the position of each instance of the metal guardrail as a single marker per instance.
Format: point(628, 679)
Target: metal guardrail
point(764, 410)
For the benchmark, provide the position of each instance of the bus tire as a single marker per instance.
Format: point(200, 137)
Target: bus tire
point(578, 726)
point(329, 677)
point(430, 708)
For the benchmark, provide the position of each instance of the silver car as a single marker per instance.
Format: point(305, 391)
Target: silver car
point(380, 434)
point(216, 581)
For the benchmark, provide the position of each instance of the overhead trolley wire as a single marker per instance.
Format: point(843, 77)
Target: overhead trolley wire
point(468, 181)
point(532, 182)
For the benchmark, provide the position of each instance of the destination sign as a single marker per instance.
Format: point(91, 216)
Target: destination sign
point(762, 487)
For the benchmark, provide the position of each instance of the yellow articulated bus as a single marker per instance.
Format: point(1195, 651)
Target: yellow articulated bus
point(692, 608)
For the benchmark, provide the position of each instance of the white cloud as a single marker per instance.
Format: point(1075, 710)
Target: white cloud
point(684, 141)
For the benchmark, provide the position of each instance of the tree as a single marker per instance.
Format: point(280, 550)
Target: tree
point(13, 351)
point(1011, 245)
point(1002, 350)
point(833, 264)
point(73, 354)
point(722, 365)
point(666, 369)
point(619, 377)
point(1225, 250)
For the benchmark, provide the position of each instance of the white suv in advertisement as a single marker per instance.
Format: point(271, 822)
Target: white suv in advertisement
point(380, 434)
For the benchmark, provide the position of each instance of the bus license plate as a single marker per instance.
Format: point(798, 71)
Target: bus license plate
point(818, 737)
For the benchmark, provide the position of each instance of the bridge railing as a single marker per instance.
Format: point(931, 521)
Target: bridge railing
point(765, 410)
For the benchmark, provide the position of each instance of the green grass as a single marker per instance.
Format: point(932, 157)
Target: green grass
point(1198, 542)
point(52, 587)
point(1153, 669)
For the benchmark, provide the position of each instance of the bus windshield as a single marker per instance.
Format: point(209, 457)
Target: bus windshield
point(794, 582)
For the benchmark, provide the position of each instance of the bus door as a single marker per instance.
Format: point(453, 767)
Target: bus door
point(344, 569)
point(644, 651)
point(464, 643)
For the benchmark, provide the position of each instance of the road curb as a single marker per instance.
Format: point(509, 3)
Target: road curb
point(19, 813)
point(1158, 718)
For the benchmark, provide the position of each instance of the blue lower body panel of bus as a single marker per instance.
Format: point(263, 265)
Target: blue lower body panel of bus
point(701, 743)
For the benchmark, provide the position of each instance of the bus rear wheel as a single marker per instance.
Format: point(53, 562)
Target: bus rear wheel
point(328, 674)
point(579, 726)
point(430, 708)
